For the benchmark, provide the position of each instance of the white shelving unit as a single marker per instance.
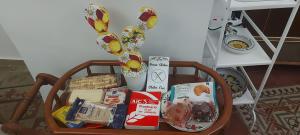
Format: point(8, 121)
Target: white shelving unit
point(228, 59)
point(258, 56)
point(267, 4)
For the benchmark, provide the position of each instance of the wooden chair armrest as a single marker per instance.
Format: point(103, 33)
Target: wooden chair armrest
point(12, 125)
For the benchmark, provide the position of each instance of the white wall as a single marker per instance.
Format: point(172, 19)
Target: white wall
point(52, 35)
point(7, 48)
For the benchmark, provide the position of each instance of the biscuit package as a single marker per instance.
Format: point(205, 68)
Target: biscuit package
point(115, 96)
point(95, 82)
point(93, 113)
point(196, 92)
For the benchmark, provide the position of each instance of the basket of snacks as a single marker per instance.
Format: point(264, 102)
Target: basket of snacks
point(107, 106)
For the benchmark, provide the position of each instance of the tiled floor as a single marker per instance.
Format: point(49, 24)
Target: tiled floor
point(14, 74)
point(280, 76)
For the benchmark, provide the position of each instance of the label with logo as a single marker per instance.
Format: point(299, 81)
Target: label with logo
point(143, 110)
point(158, 73)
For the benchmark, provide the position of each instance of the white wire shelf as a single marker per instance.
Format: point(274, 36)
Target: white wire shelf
point(228, 59)
point(244, 99)
point(261, 4)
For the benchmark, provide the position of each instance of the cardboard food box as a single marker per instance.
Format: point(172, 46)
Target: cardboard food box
point(143, 110)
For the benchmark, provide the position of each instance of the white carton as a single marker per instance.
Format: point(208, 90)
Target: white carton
point(158, 74)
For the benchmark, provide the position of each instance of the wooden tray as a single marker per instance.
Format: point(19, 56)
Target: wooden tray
point(224, 100)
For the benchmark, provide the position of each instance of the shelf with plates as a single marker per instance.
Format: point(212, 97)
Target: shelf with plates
point(228, 59)
point(246, 98)
point(257, 56)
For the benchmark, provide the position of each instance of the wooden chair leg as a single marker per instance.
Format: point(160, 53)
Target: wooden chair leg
point(12, 125)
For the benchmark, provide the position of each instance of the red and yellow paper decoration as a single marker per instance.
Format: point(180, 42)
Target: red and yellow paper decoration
point(133, 37)
point(98, 18)
point(110, 43)
point(148, 18)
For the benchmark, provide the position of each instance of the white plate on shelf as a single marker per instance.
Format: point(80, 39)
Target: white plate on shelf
point(247, 42)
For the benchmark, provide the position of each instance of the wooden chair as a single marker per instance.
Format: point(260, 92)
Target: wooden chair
point(12, 126)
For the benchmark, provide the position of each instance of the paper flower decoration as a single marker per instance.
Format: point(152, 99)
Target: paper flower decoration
point(148, 18)
point(133, 37)
point(110, 43)
point(98, 18)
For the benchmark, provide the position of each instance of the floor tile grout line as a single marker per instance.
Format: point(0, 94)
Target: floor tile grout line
point(16, 86)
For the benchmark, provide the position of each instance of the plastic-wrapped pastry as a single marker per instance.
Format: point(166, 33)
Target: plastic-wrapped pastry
point(178, 113)
point(202, 112)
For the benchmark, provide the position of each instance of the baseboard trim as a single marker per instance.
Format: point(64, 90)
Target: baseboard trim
point(292, 63)
point(276, 39)
point(10, 58)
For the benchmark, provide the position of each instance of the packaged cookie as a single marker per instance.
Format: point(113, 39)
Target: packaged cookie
point(196, 92)
point(115, 96)
point(95, 82)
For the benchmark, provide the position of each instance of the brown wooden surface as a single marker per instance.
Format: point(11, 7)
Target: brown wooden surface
point(273, 21)
point(224, 99)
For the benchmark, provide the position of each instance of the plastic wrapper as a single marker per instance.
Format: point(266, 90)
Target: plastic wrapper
point(119, 117)
point(179, 113)
point(190, 107)
point(60, 115)
point(95, 82)
point(94, 96)
point(74, 108)
point(92, 113)
point(115, 96)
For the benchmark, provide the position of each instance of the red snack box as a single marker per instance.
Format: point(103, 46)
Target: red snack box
point(143, 110)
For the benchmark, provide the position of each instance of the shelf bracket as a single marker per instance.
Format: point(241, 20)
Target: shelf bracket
point(260, 33)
